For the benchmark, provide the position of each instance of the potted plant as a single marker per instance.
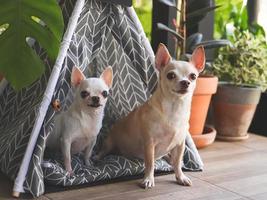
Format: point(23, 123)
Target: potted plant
point(193, 12)
point(206, 86)
point(242, 70)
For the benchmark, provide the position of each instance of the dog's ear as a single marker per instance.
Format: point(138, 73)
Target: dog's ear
point(76, 76)
point(162, 57)
point(198, 58)
point(107, 76)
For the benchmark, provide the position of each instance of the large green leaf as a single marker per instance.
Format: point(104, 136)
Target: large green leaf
point(193, 18)
point(193, 40)
point(170, 3)
point(163, 27)
point(211, 44)
point(18, 61)
point(202, 11)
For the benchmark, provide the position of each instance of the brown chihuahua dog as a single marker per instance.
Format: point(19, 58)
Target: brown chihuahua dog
point(160, 126)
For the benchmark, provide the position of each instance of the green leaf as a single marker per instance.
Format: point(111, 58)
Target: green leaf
point(202, 11)
point(170, 3)
point(19, 63)
point(244, 19)
point(257, 29)
point(210, 44)
point(192, 41)
point(194, 17)
point(163, 27)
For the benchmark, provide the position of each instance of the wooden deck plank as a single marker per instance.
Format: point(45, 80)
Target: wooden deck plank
point(233, 171)
point(234, 163)
point(165, 189)
point(124, 187)
point(248, 186)
point(220, 148)
point(259, 196)
point(199, 190)
point(255, 142)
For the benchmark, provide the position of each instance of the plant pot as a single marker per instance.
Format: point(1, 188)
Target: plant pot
point(233, 109)
point(206, 138)
point(258, 124)
point(205, 87)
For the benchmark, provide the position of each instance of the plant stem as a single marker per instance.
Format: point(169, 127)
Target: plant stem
point(178, 28)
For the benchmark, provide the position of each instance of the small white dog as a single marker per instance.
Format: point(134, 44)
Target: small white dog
point(161, 124)
point(76, 129)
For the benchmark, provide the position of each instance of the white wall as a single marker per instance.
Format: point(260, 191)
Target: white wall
point(262, 16)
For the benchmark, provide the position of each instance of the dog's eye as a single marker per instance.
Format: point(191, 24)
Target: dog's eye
point(105, 94)
point(193, 76)
point(171, 76)
point(84, 94)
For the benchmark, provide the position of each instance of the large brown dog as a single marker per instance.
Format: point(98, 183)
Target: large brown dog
point(160, 125)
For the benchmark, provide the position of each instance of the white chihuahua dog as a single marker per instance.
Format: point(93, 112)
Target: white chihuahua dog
point(161, 124)
point(77, 128)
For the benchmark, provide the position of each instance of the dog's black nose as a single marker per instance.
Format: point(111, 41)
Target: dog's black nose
point(185, 84)
point(95, 99)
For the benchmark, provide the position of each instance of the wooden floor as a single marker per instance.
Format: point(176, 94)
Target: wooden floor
point(232, 171)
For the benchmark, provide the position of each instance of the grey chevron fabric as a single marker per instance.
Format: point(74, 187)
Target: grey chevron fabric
point(105, 35)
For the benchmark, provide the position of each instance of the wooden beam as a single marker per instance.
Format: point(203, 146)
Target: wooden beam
point(163, 14)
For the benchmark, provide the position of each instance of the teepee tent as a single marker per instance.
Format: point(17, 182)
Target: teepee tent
point(97, 34)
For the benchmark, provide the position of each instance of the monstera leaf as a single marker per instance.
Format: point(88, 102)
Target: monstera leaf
point(23, 19)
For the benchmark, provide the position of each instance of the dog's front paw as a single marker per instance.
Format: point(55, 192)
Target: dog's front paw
point(70, 173)
point(147, 183)
point(183, 180)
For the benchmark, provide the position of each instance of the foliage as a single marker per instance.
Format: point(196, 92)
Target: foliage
point(3, 28)
point(144, 12)
point(20, 20)
point(237, 19)
point(188, 17)
point(222, 15)
point(245, 63)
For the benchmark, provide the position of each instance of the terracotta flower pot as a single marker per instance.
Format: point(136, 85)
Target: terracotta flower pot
point(205, 87)
point(233, 109)
point(206, 138)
